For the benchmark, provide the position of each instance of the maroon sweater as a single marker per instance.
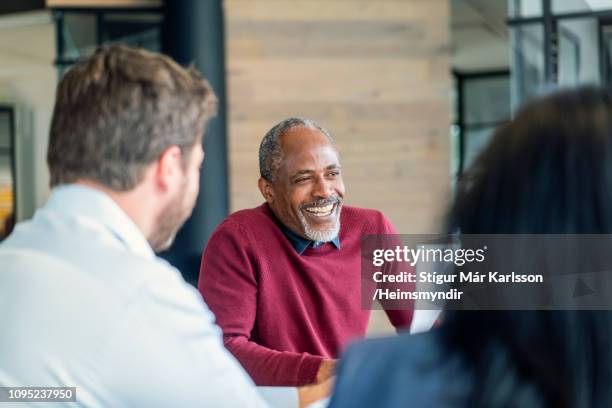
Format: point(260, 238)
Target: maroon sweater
point(281, 313)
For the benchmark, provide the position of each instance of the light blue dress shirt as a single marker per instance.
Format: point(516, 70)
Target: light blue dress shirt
point(84, 302)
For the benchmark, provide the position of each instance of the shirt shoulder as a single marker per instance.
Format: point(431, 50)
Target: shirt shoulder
point(103, 262)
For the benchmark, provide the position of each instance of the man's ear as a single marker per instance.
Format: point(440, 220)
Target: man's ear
point(169, 168)
point(266, 189)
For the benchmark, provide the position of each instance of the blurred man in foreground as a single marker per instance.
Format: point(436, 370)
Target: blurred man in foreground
point(85, 302)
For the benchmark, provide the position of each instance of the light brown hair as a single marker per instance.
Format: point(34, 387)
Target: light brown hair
point(118, 110)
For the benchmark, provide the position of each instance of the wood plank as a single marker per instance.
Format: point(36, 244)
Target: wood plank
point(322, 10)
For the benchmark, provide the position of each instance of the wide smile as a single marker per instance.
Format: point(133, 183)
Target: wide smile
point(321, 213)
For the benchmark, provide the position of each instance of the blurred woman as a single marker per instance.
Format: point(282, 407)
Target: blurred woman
point(547, 172)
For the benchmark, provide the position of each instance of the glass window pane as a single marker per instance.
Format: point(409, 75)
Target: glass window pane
point(527, 62)
point(524, 8)
point(475, 141)
point(6, 195)
point(83, 32)
point(572, 6)
point(79, 35)
point(5, 130)
point(141, 30)
point(486, 100)
point(578, 51)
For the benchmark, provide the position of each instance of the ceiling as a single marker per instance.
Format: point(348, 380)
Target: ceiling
point(479, 35)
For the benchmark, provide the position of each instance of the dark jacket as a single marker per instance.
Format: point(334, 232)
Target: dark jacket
point(400, 371)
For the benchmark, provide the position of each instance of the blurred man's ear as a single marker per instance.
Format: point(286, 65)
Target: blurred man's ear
point(169, 173)
point(266, 189)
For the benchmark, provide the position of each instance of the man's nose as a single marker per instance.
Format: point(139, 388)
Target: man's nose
point(322, 188)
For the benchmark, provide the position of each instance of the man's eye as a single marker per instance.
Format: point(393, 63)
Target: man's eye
point(333, 173)
point(302, 179)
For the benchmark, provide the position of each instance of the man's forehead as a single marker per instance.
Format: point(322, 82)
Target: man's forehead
point(303, 140)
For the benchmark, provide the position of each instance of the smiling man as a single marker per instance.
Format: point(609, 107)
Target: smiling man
point(283, 279)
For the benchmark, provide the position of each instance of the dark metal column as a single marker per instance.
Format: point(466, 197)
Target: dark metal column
point(551, 45)
point(193, 33)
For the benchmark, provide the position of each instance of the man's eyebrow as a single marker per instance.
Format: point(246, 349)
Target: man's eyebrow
point(310, 171)
point(301, 172)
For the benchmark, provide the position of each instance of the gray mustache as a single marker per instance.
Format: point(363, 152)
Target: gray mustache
point(322, 203)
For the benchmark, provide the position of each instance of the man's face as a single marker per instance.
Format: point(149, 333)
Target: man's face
point(308, 190)
point(181, 205)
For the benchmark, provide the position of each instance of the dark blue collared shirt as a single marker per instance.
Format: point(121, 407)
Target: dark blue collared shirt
point(300, 244)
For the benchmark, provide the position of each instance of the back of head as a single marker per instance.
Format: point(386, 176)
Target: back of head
point(547, 172)
point(118, 110)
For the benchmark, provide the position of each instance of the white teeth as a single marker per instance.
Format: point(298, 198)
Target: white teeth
point(321, 211)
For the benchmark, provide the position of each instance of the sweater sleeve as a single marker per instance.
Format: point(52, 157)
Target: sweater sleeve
point(400, 318)
point(228, 282)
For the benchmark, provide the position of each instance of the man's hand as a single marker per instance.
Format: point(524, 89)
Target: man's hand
point(309, 394)
point(327, 369)
point(322, 386)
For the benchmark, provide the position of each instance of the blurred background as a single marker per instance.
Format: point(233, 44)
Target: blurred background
point(410, 89)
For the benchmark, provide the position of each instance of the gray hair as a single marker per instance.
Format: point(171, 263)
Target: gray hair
point(270, 151)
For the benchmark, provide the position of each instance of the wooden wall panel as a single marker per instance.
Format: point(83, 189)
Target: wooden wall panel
point(375, 73)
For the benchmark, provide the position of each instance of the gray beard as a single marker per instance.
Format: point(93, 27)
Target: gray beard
point(320, 235)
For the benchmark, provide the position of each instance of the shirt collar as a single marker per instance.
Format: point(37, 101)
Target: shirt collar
point(300, 244)
point(95, 206)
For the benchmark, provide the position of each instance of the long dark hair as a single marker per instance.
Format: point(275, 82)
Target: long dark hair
point(547, 172)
